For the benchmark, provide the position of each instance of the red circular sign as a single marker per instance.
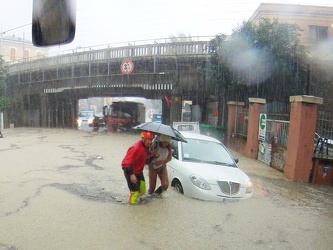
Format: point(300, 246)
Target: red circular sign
point(127, 66)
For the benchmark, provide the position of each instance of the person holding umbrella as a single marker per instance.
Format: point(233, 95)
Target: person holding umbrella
point(133, 164)
point(162, 155)
point(171, 134)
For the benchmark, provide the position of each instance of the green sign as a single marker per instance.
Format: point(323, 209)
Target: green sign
point(262, 126)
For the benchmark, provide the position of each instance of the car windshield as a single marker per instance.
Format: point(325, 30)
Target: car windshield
point(120, 114)
point(207, 152)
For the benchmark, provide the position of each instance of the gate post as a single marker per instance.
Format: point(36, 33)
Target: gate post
point(303, 120)
point(252, 142)
point(232, 116)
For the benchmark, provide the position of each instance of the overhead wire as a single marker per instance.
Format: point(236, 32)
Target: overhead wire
point(147, 15)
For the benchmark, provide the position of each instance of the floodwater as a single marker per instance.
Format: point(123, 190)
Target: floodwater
point(64, 189)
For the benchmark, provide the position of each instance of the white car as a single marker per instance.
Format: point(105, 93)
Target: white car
point(204, 169)
point(85, 118)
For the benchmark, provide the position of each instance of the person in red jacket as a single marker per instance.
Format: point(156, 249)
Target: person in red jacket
point(133, 164)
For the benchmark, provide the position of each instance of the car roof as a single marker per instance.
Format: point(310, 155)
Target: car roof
point(190, 135)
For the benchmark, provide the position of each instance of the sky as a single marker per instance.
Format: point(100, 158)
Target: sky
point(103, 22)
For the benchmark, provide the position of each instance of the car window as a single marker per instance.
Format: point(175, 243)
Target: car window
point(174, 147)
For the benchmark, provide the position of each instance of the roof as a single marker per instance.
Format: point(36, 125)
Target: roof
point(14, 38)
point(267, 9)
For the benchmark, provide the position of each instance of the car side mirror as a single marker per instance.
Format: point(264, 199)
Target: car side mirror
point(236, 160)
point(53, 22)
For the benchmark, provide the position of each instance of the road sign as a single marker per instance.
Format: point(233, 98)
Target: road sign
point(262, 126)
point(127, 66)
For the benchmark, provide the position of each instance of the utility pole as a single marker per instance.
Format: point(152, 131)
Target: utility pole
point(23, 47)
point(1, 34)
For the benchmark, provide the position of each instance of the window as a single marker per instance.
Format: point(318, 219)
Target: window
point(174, 146)
point(12, 54)
point(185, 127)
point(318, 33)
point(26, 54)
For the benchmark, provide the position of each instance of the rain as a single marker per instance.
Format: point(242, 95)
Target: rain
point(61, 184)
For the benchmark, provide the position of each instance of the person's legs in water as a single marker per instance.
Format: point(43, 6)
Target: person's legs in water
point(141, 184)
point(136, 189)
point(163, 175)
point(152, 179)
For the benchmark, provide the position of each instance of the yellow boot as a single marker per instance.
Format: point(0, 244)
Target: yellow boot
point(142, 190)
point(133, 197)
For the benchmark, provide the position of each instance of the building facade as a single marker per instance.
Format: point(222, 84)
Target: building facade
point(15, 49)
point(315, 22)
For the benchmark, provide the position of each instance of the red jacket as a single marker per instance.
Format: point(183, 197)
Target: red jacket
point(135, 158)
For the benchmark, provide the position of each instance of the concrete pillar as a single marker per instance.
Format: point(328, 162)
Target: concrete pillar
point(175, 109)
point(303, 119)
point(252, 142)
point(43, 110)
point(233, 108)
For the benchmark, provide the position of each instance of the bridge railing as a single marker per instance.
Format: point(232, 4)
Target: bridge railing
point(130, 51)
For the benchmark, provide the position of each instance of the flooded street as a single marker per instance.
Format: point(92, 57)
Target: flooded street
point(65, 189)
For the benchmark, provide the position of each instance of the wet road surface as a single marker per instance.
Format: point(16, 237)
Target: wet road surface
point(64, 189)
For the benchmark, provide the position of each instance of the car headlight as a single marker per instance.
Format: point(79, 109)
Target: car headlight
point(199, 182)
point(79, 121)
point(90, 120)
point(249, 187)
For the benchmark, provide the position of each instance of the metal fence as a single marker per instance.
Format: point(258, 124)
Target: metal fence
point(277, 132)
point(241, 123)
point(325, 125)
point(324, 135)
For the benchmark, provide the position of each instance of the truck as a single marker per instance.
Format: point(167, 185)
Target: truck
point(157, 118)
point(193, 127)
point(124, 115)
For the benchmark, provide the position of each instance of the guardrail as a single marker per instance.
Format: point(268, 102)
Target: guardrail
point(130, 51)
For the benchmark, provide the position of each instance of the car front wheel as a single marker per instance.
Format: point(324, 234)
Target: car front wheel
point(179, 188)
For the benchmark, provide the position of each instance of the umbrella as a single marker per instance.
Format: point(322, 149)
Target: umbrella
point(161, 129)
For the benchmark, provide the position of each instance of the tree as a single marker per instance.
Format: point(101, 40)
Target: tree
point(181, 37)
point(264, 60)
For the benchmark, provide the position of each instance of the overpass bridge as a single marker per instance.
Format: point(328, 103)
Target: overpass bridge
point(48, 89)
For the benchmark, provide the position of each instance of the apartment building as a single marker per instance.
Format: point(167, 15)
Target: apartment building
point(315, 22)
point(15, 49)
